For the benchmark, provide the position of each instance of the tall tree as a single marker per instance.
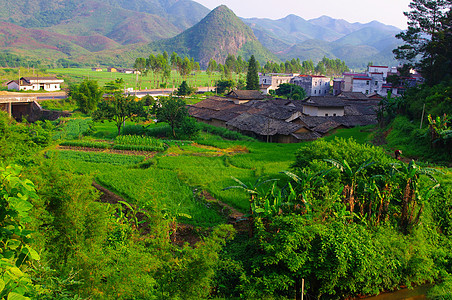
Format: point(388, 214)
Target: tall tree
point(87, 94)
point(252, 78)
point(119, 109)
point(425, 38)
point(173, 111)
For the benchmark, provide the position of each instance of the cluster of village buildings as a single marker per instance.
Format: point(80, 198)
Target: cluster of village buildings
point(283, 120)
point(330, 104)
point(373, 81)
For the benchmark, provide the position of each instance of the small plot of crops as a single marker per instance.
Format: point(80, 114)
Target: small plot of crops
point(138, 143)
point(72, 129)
point(123, 142)
point(95, 157)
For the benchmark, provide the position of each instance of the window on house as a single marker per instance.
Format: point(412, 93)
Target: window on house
point(326, 115)
point(334, 115)
point(367, 91)
point(376, 82)
point(315, 91)
point(367, 82)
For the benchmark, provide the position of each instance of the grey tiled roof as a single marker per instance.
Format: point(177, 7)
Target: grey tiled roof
point(262, 125)
point(246, 95)
point(324, 102)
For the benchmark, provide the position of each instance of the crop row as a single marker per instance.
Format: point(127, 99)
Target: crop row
point(137, 140)
point(99, 157)
point(139, 148)
point(87, 144)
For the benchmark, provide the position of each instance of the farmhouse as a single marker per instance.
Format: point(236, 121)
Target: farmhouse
point(112, 69)
point(243, 96)
point(35, 84)
point(313, 85)
point(273, 80)
point(323, 106)
point(96, 69)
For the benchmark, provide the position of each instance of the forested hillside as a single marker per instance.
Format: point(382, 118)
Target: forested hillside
point(220, 33)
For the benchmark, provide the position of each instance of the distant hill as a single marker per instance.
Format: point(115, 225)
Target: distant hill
point(118, 31)
point(355, 43)
point(73, 29)
point(220, 33)
point(44, 13)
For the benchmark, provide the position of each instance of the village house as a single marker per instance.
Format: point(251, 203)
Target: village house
point(96, 69)
point(243, 96)
point(49, 84)
point(112, 69)
point(314, 85)
point(272, 81)
point(323, 106)
point(338, 86)
point(128, 71)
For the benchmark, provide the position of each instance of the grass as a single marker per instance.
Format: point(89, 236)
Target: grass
point(360, 134)
point(149, 81)
point(59, 104)
point(145, 188)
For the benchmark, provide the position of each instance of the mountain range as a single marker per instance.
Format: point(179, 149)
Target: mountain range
point(117, 31)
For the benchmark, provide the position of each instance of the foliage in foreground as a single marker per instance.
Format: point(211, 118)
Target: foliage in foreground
point(350, 221)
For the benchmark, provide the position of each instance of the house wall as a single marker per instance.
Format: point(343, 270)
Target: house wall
point(310, 110)
point(274, 81)
point(320, 86)
point(218, 123)
point(348, 83)
point(330, 111)
point(313, 85)
point(337, 87)
point(363, 86)
point(304, 82)
point(379, 69)
point(13, 86)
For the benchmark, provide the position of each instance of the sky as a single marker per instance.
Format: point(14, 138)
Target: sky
point(389, 12)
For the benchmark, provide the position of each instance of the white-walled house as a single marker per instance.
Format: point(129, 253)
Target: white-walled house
point(314, 85)
point(273, 80)
point(323, 107)
point(49, 84)
point(379, 69)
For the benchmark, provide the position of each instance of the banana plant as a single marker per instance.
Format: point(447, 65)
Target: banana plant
point(411, 195)
point(349, 190)
point(304, 184)
point(253, 190)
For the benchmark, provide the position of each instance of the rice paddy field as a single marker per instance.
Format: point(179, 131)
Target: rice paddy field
point(171, 178)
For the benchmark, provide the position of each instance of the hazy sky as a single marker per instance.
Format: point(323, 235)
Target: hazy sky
point(386, 11)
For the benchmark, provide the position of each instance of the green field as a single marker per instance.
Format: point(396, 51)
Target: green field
point(148, 81)
point(169, 178)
